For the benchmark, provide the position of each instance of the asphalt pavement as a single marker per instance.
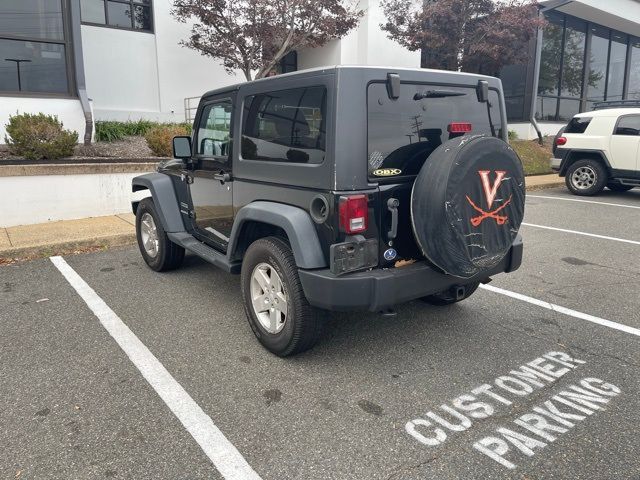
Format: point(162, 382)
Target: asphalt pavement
point(494, 387)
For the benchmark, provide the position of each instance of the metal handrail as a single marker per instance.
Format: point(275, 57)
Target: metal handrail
point(189, 109)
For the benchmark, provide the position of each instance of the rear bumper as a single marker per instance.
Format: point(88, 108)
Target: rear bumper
point(378, 289)
point(555, 164)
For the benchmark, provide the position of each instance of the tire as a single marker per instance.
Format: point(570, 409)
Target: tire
point(586, 177)
point(448, 298)
point(164, 255)
point(467, 204)
point(618, 187)
point(282, 333)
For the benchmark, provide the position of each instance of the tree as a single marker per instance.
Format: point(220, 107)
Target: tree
point(254, 35)
point(472, 35)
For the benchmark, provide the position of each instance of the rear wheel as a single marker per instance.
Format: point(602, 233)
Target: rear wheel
point(453, 295)
point(274, 302)
point(618, 187)
point(586, 177)
point(160, 253)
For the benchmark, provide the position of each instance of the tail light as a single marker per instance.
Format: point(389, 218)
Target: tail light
point(354, 214)
point(459, 127)
point(561, 141)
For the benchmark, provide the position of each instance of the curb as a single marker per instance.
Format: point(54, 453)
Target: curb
point(62, 248)
point(533, 188)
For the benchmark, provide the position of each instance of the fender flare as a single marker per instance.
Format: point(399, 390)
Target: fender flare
point(573, 155)
point(296, 223)
point(164, 199)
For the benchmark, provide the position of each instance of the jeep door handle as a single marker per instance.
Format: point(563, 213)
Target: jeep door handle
point(392, 205)
point(223, 177)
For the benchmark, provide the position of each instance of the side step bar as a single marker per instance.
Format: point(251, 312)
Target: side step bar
point(635, 182)
point(205, 252)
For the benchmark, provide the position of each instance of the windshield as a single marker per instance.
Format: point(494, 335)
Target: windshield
point(403, 133)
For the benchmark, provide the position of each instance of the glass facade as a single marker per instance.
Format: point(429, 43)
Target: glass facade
point(35, 47)
point(581, 63)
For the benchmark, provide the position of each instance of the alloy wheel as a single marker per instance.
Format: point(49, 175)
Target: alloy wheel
point(269, 298)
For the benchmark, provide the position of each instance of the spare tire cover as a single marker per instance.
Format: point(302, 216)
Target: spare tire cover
point(467, 204)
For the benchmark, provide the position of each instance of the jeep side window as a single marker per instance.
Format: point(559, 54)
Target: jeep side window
point(285, 126)
point(629, 125)
point(213, 130)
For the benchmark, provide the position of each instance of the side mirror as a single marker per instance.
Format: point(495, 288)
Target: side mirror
point(483, 91)
point(182, 147)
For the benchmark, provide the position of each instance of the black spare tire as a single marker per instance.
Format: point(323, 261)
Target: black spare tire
point(467, 204)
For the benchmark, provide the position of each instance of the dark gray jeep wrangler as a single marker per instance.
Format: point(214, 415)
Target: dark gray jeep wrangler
point(340, 188)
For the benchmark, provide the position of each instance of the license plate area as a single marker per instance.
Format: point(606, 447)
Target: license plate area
point(354, 255)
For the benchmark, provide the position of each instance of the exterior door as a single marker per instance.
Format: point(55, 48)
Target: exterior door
point(625, 144)
point(212, 188)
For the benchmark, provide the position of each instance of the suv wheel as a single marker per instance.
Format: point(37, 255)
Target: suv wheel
point(618, 187)
point(586, 177)
point(449, 297)
point(158, 251)
point(277, 310)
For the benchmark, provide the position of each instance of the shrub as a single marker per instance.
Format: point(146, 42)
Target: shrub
point(513, 135)
point(39, 136)
point(160, 138)
point(110, 131)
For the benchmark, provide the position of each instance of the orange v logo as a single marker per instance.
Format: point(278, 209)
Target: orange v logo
point(490, 191)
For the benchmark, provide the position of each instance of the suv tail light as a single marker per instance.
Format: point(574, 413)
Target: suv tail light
point(354, 214)
point(561, 141)
point(459, 127)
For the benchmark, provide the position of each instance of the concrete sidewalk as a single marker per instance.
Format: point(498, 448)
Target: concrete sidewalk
point(69, 236)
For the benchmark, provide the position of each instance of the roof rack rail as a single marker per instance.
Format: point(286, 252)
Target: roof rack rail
point(616, 104)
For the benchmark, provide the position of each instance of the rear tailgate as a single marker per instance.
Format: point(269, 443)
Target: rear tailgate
point(402, 134)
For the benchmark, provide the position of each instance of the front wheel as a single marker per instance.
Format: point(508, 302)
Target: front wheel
point(274, 302)
point(158, 251)
point(451, 296)
point(618, 187)
point(586, 177)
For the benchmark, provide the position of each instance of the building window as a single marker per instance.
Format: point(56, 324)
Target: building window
point(634, 70)
point(289, 63)
point(35, 48)
point(125, 14)
point(617, 62)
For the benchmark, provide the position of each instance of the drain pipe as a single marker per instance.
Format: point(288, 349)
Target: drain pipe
point(536, 79)
point(78, 58)
point(536, 68)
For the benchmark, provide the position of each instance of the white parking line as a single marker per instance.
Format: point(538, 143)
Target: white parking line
point(226, 458)
point(564, 310)
point(584, 201)
point(604, 237)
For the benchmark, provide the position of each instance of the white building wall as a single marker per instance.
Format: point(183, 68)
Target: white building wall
point(132, 75)
point(367, 45)
point(46, 198)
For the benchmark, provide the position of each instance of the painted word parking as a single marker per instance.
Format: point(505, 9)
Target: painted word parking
point(530, 432)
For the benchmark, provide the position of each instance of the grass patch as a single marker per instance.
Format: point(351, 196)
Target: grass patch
point(535, 157)
point(111, 131)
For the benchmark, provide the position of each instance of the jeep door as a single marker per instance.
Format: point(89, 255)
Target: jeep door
point(211, 189)
point(625, 143)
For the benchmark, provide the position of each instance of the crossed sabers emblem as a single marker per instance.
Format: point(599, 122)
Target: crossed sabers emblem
point(490, 194)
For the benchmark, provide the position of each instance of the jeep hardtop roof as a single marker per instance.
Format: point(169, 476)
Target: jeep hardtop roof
point(372, 70)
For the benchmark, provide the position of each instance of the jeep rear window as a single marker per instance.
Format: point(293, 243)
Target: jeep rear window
point(403, 133)
point(578, 125)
